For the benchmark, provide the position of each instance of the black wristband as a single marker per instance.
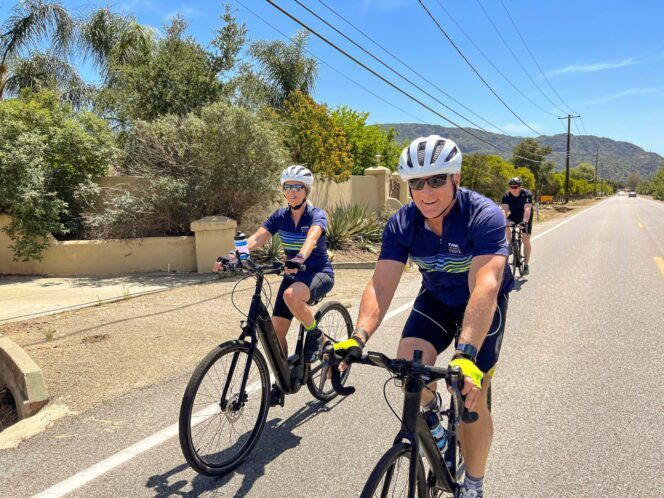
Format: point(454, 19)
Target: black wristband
point(460, 354)
point(359, 331)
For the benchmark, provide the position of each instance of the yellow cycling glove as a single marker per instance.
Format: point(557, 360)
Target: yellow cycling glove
point(350, 349)
point(469, 369)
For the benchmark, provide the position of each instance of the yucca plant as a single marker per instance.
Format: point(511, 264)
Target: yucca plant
point(353, 226)
point(274, 249)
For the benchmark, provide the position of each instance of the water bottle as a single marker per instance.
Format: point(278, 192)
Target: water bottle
point(437, 431)
point(241, 245)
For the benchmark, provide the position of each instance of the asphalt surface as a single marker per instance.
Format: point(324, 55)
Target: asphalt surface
point(577, 401)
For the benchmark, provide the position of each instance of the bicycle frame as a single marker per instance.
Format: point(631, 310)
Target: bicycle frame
point(290, 373)
point(415, 430)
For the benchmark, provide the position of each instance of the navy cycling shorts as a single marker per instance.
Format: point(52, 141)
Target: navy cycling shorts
point(529, 228)
point(439, 324)
point(319, 284)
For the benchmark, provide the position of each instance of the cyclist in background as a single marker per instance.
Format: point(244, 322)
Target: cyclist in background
point(517, 204)
point(301, 227)
point(457, 238)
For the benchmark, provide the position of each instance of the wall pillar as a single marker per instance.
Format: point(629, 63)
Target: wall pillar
point(382, 175)
point(214, 238)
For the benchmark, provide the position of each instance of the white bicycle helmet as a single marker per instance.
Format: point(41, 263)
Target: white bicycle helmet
point(427, 156)
point(297, 173)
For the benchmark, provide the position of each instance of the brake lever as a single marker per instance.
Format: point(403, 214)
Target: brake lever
point(334, 361)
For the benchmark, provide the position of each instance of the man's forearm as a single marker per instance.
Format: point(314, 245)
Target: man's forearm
point(526, 214)
point(375, 303)
point(479, 315)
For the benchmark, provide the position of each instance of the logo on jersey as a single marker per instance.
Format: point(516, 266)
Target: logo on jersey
point(453, 248)
point(304, 229)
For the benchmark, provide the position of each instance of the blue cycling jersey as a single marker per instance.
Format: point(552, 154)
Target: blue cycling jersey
point(292, 237)
point(475, 226)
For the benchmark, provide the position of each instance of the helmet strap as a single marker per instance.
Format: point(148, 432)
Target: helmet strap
point(295, 208)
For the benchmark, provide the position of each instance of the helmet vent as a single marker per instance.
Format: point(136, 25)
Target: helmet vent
point(421, 147)
point(452, 153)
point(437, 149)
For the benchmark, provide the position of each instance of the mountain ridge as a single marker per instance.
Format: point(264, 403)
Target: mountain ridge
point(619, 157)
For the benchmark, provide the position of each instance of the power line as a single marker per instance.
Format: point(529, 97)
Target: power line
point(532, 80)
point(333, 68)
point(491, 62)
point(473, 68)
point(518, 32)
point(387, 66)
point(385, 80)
point(533, 57)
point(410, 67)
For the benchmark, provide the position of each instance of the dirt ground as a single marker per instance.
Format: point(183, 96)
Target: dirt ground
point(551, 211)
point(100, 353)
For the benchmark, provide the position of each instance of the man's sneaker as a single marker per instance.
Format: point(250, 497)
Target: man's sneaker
point(276, 396)
point(313, 345)
point(525, 271)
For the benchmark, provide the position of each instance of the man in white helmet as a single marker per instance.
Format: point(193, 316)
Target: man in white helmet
point(457, 238)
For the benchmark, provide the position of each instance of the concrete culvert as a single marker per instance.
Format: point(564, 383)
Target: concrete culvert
point(8, 412)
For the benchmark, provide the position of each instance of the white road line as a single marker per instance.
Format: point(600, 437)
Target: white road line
point(85, 476)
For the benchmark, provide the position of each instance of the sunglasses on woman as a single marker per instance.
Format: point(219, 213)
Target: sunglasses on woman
point(435, 181)
point(294, 188)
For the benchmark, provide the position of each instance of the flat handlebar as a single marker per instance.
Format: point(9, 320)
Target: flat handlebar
point(400, 368)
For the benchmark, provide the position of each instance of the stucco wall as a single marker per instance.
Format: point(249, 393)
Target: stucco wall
point(103, 257)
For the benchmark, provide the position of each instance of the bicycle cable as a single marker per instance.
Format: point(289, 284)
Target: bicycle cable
point(391, 377)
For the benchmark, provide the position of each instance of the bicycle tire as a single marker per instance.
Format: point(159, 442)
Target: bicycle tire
point(513, 250)
point(191, 452)
point(316, 388)
point(385, 468)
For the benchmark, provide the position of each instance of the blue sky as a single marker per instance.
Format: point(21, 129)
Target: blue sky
point(604, 58)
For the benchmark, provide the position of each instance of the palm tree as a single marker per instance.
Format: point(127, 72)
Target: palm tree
point(30, 22)
point(109, 38)
point(286, 67)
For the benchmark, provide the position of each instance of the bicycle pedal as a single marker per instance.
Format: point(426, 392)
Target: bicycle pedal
point(276, 397)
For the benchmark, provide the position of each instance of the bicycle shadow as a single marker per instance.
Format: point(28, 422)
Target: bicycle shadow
point(518, 283)
point(277, 438)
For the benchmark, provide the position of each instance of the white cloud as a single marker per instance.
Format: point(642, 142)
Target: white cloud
point(591, 68)
point(625, 93)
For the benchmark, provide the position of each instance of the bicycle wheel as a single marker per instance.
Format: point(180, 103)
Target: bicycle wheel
point(390, 476)
point(335, 322)
point(513, 254)
point(217, 434)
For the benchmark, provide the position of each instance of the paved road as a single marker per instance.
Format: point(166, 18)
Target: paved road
point(577, 404)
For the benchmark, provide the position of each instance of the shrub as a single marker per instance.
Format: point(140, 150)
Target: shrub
point(223, 161)
point(47, 152)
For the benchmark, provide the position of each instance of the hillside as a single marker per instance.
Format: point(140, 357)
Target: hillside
point(619, 157)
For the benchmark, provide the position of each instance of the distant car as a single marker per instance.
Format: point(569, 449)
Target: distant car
point(631, 194)
point(622, 193)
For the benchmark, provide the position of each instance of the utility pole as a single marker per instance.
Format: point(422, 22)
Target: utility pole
point(569, 121)
point(595, 187)
point(602, 178)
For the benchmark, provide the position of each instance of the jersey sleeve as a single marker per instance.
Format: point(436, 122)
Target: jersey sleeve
point(393, 246)
point(319, 218)
point(271, 224)
point(506, 199)
point(529, 197)
point(487, 230)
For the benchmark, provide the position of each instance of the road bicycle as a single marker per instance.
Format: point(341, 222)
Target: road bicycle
point(402, 470)
point(227, 399)
point(515, 258)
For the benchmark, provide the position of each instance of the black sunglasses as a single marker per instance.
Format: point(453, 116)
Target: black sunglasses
point(513, 187)
point(295, 188)
point(435, 181)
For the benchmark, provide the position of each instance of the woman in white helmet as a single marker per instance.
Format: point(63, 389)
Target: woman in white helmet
point(457, 238)
point(302, 228)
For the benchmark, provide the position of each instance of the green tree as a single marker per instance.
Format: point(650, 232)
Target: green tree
point(633, 180)
point(177, 77)
point(529, 154)
point(285, 67)
point(657, 183)
point(316, 139)
point(367, 141)
point(47, 153)
point(228, 40)
point(31, 22)
point(584, 171)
